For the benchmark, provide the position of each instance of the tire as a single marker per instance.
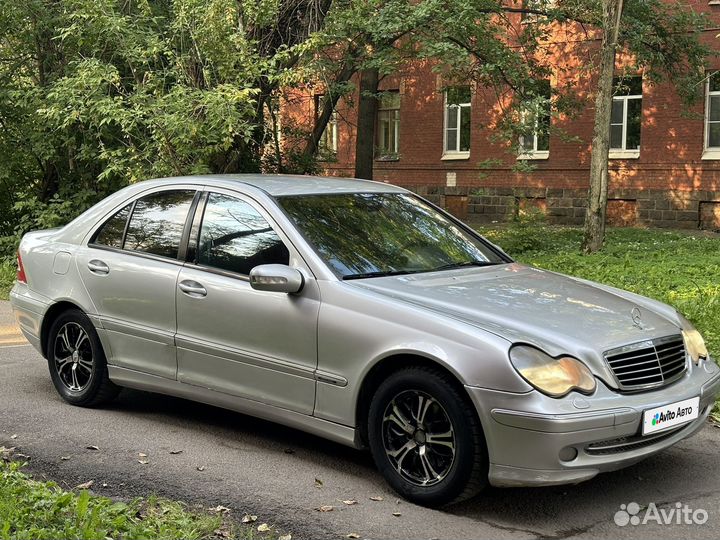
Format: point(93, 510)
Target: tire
point(77, 362)
point(456, 472)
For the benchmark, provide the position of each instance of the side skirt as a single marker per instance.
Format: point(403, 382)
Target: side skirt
point(152, 383)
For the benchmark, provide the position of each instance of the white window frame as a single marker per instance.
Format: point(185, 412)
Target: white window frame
point(393, 114)
point(624, 152)
point(534, 153)
point(709, 152)
point(456, 153)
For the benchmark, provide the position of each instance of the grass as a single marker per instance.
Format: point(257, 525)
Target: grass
point(7, 277)
point(678, 268)
point(36, 510)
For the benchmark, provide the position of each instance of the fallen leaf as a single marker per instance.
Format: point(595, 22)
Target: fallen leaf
point(220, 509)
point(285, 537)
point(397, 514)
point(318, 483)
point(143, 461)
point(350, 502)
point(92, 447)
point(141, 455)
point(104, 484)
point(222, 532)
point(325, 508)
point(376, 498)
point(86, 485)
point(175, 452)
point(64, 458)
point(352, 535)
point(22, 456)
point(247, 518)
point(14, 436)
point(201, 468)
point(263, 527)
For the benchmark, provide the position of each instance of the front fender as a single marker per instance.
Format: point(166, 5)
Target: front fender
point(359, 329)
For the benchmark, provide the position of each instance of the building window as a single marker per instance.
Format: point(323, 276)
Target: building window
point(712, 117)
point(457, 122)
point(388, 143)
point(626, 118)
point(536, 116)
point(327, 148)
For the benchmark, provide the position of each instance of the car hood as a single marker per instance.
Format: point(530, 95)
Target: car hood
point(559, 314)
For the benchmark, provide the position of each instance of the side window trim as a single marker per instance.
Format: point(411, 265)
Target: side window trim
point(193, 233)
point(127, 224)
point(189, 219)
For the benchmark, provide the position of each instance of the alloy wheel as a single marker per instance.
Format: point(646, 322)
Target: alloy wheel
point(418, 437)
point(73, 357)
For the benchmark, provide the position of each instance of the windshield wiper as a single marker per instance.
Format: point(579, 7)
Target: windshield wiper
point(379, 274)
point(464, 264)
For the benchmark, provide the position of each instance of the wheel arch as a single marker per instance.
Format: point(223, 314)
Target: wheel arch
point(53, 312)
point(381, 370)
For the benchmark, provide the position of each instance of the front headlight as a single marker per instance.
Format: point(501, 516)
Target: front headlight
point(694, 342)
point(552, 376)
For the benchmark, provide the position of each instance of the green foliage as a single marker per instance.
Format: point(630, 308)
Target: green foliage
point(673, 267)
point(7, 278)
point(36, 510)
point(96, 94)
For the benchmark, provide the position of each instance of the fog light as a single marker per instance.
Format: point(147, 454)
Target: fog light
point(568, 454)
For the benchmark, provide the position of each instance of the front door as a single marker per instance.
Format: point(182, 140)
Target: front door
point(232, 338)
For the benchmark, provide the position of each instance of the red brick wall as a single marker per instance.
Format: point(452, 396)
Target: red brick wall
point(667, 179)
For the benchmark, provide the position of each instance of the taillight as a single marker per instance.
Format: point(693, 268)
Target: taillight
point(21, 277)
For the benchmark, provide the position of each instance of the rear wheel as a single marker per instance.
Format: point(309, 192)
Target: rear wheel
point(77, 362)
point(426, 439)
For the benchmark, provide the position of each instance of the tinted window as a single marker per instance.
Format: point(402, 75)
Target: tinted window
point(157, 223)
point(235, 237)
point(369, 234)
point(111, 233)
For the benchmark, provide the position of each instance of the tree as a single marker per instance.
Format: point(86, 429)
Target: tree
point(598, 192)
point(95, 94)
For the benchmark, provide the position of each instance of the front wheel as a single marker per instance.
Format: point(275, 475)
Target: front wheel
point(77, 363)
point(426, 439)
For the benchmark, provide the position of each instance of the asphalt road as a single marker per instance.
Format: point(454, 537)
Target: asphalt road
point(270, 471)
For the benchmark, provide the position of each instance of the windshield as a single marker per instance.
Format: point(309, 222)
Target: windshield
point(378, 234)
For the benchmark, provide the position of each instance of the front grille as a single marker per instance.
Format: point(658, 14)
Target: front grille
point(648, 364)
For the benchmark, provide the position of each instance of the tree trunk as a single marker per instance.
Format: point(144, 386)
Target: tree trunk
point(329, 103)
point(365, 136)
point(594, 235)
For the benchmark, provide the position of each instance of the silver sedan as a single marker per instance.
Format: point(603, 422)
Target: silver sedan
point(360, 312)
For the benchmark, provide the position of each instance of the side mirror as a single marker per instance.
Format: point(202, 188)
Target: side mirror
point(276, 278)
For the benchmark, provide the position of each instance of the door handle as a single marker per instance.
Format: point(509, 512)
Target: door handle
point(192, 288)
point(98, 267)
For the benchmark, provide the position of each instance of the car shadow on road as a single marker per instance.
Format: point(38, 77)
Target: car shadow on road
point(673, 475)
point(236, 430)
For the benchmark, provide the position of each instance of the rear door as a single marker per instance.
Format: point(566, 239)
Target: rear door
point(130, 269)
point(230, 337)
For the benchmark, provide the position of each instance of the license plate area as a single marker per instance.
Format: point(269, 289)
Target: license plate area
point(670, 415)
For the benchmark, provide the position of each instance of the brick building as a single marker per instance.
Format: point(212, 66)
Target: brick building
point(438, 140)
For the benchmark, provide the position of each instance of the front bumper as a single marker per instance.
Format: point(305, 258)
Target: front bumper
point(535, 440)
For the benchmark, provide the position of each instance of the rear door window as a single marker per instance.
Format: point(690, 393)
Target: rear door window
point(157, 223)
point(112, 231)
point(235, 237)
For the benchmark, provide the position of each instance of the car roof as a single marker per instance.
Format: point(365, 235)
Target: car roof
point(282, 185)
